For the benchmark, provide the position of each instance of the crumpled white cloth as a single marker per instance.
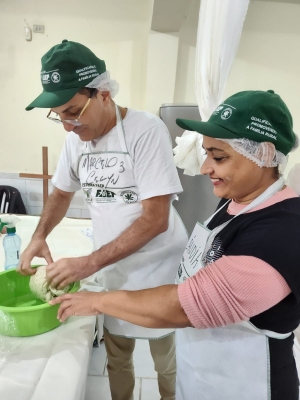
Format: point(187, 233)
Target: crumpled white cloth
point(40, 287)
point(189, 154)
point(293, 179)
point(50, 366)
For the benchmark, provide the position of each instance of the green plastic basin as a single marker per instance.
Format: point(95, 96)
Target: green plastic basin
point(21, 313)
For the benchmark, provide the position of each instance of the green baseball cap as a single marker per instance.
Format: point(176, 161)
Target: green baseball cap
point(256, 115)
point(66, 68)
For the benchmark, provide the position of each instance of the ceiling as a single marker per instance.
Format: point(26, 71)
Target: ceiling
point(168, 15)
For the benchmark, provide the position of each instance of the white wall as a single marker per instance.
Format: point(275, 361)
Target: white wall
point(268, 57)
point(116, 30)
point(161, 70)
point(185, 77)
point(119, 32)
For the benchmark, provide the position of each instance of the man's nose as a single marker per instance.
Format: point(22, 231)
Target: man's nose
point(68, 127)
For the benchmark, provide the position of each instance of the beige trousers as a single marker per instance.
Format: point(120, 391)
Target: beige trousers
point(121, 371)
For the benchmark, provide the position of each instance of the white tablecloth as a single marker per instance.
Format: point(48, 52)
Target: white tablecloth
point(53, 365)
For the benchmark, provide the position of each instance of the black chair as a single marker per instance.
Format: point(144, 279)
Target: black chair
point(11, 201)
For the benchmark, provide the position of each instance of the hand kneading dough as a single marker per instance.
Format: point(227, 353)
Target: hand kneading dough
point(40, 287)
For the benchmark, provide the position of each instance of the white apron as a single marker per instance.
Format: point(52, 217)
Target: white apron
point(230, 362)
point(107, 179)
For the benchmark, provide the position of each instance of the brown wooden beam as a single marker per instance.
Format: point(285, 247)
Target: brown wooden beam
point(34, 176)
point(45, 177)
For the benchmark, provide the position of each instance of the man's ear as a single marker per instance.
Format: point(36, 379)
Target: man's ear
point(105, 96)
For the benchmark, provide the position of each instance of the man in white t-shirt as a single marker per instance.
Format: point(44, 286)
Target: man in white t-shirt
point(122, 160)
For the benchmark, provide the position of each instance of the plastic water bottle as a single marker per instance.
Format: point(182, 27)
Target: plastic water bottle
point(12, 247)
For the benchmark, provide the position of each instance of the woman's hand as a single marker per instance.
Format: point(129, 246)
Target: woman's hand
point(81, 303)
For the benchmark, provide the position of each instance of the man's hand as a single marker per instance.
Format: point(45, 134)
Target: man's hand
point(82, 303)
point(53, 212)
point(68, 270)
point(36, 248)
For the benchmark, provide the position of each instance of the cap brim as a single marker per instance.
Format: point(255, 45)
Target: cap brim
point(52, 99)
point(206, 129)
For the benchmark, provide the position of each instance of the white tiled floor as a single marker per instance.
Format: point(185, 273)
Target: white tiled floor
point(145, 383)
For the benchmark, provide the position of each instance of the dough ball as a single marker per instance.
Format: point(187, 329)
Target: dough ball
point(40, 287)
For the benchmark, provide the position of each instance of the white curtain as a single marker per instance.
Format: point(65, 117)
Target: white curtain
point(219, 31)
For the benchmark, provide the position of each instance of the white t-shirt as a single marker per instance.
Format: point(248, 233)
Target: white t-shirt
point(149, 145)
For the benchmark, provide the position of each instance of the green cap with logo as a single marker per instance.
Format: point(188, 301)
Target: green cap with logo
point(66, 68)
point(256, 115)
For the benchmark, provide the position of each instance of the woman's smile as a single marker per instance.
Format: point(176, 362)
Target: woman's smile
point(216, 181)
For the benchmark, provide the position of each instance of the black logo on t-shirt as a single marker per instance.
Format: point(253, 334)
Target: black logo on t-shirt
point(214, 252)
point(105, 196)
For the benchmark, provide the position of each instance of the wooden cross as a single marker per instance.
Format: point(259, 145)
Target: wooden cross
point(45, 175)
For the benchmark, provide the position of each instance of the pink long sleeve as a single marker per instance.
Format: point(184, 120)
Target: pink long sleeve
point(232, 289)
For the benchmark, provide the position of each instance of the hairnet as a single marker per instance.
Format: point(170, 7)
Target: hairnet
point(189, 154)
point(263, 154)
point(103, 83)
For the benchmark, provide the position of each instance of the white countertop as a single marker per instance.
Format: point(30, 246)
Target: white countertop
point(54, 364)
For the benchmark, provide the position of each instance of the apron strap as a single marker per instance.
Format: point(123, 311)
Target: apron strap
point(121, 133)
point(271, 334)
point(274, 188)
point(275, 335)
point(206, 222)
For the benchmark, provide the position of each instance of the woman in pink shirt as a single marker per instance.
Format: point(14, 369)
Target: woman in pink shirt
point(237, 297)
